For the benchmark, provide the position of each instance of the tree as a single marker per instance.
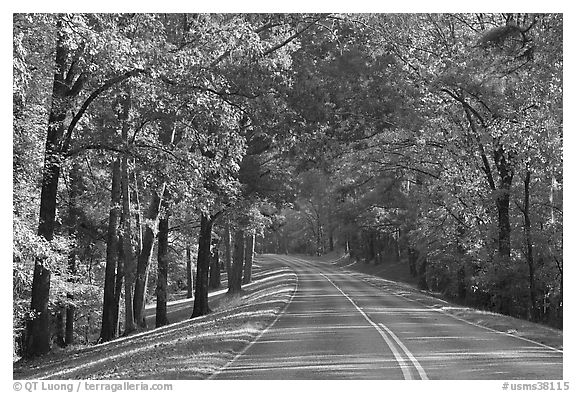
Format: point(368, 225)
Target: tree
point(431, 141)
point(214, 265)
point(189, 274)
point(237, 262)
point(201, 306)
point(248, 258)
point(71, 78)
point(114, 271)
point(162, 282)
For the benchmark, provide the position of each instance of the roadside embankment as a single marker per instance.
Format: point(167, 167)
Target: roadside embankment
point(397, 276)
point(190, 349)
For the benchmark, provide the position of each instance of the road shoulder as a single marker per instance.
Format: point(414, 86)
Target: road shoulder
point(538, 333)
point(190, 349)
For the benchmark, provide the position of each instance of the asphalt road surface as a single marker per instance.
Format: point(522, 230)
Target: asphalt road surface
point(337, 326)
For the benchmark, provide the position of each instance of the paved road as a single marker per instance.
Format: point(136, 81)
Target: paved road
point(338, 326)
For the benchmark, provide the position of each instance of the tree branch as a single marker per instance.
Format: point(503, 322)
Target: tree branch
point(108, 84)
point(95, 146)
point(292, 37)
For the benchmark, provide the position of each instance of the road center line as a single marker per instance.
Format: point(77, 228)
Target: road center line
point(413, 359)
point(444, 312)
point(397, 355)
point(405, 370)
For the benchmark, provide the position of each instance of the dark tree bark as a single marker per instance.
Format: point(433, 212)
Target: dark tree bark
point(68, 83)
point(189, 278)
point(110, 306)
point(319, 236)
point(237, 263)
point(162, 282)
point(120, 275)
point(462, 287)
point(38, 328)
point(529, 247)
point(215, 281)
point(202, 267)
point(228, 252)
point(503, 205)
point(70, 315)
point(126, 220)
point(505, 172)
point(370, 250)
point(75, 191)
point(248, 258)
point(137, 213)
point(167, 136)
point(60, 325)
point(422, 267)
point(413, 261)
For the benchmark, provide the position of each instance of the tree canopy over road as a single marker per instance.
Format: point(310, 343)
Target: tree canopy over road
point(153, 152)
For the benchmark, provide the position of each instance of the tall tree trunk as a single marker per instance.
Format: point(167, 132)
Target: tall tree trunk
point(162, 282)
point(278, 243)
point(422, 268)
point(148, 238)
point(228, 252)
point(137, 212)
point(189, 280)
point(75, 190)
point(38, 328)
point(60, 326)
point(67, 84)
point(462, 287)
point(503, 205)
point(120, 276)
point(529, 247)
point(319, 237)
point(126, 218)
point(214, 281)
point(202, 267)
point(505, 172)
point(110, 305)
point(145, 256)
point(70, 315)
point(248, 258)
point(237, 262)
point(413, 261)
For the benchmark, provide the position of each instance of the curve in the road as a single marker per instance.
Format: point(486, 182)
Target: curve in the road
point(337, 325)
point(379, 327)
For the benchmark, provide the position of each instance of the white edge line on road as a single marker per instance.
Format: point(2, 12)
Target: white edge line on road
point(500, 332)
point(405, 370)
point(218, 372)
point(359, 275)
point(413, 359)
point(468, 322)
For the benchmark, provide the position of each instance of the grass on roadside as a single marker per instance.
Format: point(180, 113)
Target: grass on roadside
point(191, 349)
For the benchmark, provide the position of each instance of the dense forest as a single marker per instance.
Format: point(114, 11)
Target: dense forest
point(153, 152)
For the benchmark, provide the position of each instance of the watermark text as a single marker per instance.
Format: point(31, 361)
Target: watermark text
point(90, 386)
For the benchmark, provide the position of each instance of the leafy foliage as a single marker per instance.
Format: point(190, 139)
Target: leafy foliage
point(432, 141)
